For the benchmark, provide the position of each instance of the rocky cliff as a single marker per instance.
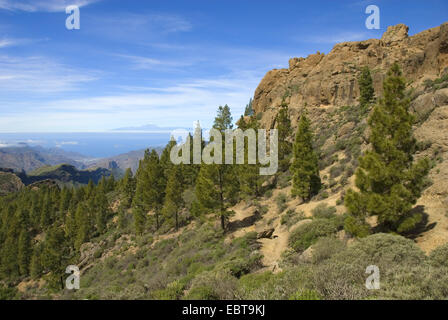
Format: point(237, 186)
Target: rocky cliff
point(323, 81)
point(327, 85)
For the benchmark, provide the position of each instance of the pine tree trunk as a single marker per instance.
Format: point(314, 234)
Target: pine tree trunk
point(177, 221)
point(223, 225)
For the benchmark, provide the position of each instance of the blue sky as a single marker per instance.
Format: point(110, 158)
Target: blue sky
point(166, 62)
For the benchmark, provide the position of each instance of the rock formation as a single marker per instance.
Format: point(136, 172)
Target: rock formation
point(323, 81)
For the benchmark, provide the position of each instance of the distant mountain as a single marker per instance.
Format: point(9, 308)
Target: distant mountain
point(151, 128)
point(120, 162)
point(35, 159)
point(65, 174)
point(24, 157)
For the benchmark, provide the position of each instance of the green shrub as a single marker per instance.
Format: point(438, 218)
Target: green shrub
point(174, 291)
point(307, 234)
point(305, 294)
point(7, 293)
point(323, 211)
point(280, 286)
point(291, 217)
point(253, 281)
point(263, 209)
point(325, 248)
point(213, 285)
point(439, 256)
point(281, 202)
point(336, 171)
point(356, 227)
point(268, 193)
point(343, 275)
point(284, 179)
point(205, 292)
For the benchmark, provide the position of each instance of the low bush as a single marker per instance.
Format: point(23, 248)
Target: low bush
point(439, 256)
point(323, 211)
point(307, 234)
point(325, 248)
point(291, 217)
point(336, 171)
point(213, 285)
point(281, 202)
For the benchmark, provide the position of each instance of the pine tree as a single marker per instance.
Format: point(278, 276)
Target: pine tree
point(165, 161)
point(24, 252)
point(249, 174)
point(122, 217)
point(83, 225)
point(173, 198)
point(366, 91)
point(35, 264)
point(54, 254)
point(102, 210)
point(70, 225)
point(217, 184)
point(46, 211)
point(139, 219)
point(90, 189)
point(102, 185)
point(111, 183)
point(223, 120)
point(388, 180)
point(248, 111)
point(64, 200)
point(151, 185)
point(127, 188)
point(305, 170)
point(284, 133)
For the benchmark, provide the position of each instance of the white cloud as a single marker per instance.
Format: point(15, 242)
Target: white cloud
point(42, 5)
point(40, 75)
point(137, 27)
point(7, 43)
point(66, 143)
point(10, 42)
point(174, 106)
point(147, 63)
point(336, 37)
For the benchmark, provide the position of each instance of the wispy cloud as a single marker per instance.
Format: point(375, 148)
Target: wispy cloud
point(40, 75)
point(42, 5)
point(11, 42)
point(148, 63)
point(137, 27)
point(177, 105)
point(336, 37)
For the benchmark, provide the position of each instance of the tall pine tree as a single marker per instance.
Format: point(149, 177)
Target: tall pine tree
point(304, 168)
point(388, 180)
point(284, 133)
point(366, 91)
point(217, 184)
point(173, 198)
point(150, 191)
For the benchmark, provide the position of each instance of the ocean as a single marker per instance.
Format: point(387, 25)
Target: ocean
point(90, 144)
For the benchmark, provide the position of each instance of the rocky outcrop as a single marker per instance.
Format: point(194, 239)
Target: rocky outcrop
point(9, 182)
point(323, 81)
point(266, 234)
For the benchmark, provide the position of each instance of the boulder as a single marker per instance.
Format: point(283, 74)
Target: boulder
point(395, 33)
point(266, 234)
